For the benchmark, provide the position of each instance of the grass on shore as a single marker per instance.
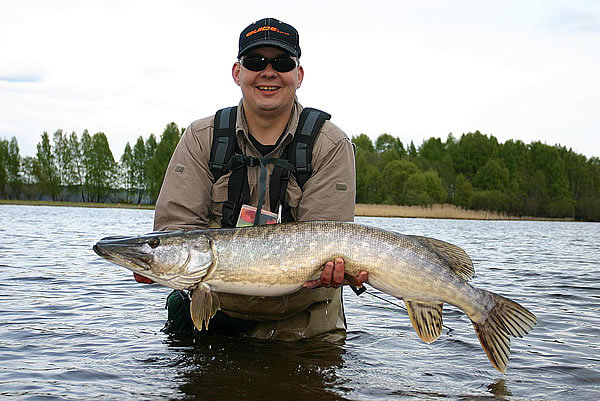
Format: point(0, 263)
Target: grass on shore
point(440, 211)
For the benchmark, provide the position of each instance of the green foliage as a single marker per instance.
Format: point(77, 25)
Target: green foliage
point(157, 165)
point(45, 169)
point(474, 171)
point(491, 200)
point(463, 192)
point(100, 168)
point(3, 165)
point(10, 165)
point(473, 152)
point(492, 176)
point(415, 191)
point(126, 169)
point(396, 174)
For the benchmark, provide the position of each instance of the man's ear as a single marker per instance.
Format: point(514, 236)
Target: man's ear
point(235, 73)
point(300, 76)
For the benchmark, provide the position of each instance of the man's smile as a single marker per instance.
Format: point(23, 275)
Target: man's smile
point(266, 88)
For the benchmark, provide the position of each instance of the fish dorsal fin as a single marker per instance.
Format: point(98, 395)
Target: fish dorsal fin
point(426, 318)
point(203, 306)
point(456, 257)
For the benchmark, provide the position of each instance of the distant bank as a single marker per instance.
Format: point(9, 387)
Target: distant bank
point(440, 211)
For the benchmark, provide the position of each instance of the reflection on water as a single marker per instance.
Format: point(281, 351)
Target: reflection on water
point(216, 367)
point(73, 326)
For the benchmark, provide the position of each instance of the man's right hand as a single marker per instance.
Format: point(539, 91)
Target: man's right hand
point(142, 279)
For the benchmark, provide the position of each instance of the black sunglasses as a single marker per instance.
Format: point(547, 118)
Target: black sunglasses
point(259, 63)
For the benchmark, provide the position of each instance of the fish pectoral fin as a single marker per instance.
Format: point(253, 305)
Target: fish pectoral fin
point(205, 303)
point(426, 318)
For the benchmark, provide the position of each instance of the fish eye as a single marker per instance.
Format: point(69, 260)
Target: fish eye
point(153, 242)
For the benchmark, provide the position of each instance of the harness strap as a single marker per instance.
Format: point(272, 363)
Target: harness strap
point(226, 156)
point(224, 141)
point(238, 190)
point(310, 123)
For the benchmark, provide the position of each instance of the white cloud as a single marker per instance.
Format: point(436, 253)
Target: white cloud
point(415, 70)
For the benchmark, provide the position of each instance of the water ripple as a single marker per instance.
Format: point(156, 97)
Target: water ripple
point(74, 326)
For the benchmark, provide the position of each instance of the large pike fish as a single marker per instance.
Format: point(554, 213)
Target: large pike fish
point(274, 260)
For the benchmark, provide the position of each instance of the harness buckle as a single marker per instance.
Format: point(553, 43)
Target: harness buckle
point(228, 212)
point(253, 161)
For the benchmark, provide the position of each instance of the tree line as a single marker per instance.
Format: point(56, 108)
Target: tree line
point(71, 168)
point(477, 172)
point(474, 171)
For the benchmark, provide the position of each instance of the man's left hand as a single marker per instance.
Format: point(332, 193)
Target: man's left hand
point(333, 276)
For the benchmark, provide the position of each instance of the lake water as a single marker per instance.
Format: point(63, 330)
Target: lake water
point(73, 326)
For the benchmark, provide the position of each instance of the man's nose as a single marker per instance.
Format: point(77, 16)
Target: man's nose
point(269, 70)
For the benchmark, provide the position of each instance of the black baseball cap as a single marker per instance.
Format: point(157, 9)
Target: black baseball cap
point(270, 32)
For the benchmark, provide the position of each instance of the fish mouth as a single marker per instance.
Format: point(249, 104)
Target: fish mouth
point(125, 252)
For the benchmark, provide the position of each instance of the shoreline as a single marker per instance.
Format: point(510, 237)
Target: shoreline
point(438, 211)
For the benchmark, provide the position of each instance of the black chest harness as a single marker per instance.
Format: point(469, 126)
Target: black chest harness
point(296, 160)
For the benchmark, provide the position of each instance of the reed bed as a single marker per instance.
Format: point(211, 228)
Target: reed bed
point(439, 211)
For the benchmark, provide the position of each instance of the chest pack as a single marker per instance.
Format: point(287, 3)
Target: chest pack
point(296, 160)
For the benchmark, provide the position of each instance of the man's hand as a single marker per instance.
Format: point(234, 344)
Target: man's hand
point(141, 279)
point(333, 276)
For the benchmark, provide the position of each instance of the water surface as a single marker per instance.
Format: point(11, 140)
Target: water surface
point(74, 326)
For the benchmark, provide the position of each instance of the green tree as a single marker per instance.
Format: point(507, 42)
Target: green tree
point(412, 151)
point(139, 162)
point(396, 172)
point(415, 190)
point(432, 154)
point(126, 169)
point(472, 152)
point(62, 157)
point(75, 171)
point(87, 161)
point(100, 169)
point(157, 166)
point(492, 176)
point(368, 176)
point(463, 192)
point(389, 148)
point(434, 187)
point(363, 142)
point(45, 169)
point(10, 166)
point(27, 168)
point(3, 165)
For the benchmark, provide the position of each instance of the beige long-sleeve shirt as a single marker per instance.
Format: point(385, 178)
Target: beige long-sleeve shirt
point(189, 199)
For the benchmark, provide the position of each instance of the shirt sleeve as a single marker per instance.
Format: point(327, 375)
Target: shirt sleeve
point(330, 192)
point(185, 197)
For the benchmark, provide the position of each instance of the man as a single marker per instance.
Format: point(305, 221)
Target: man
point(195, 195)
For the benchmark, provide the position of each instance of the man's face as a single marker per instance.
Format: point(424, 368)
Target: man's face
point(267, 91)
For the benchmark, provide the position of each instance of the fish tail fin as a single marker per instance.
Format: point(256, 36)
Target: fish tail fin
point(204, 305)
point(506, 318)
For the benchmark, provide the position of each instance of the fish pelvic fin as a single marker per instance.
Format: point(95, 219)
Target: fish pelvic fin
point(205, 303)
point(426, 318)
point(507, 318)
point(455, 257)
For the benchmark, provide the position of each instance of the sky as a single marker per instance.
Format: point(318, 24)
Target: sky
point(522, 70)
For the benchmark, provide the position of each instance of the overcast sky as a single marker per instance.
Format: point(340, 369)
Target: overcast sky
point(527, 70)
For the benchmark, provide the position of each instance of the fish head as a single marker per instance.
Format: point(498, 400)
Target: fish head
point(175, 259)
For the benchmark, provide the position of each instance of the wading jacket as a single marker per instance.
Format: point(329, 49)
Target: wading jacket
point(190, 200)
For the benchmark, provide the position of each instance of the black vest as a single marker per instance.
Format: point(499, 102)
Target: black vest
point(296, 159)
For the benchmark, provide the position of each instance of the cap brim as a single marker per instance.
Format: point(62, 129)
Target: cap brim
point(269, 42)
